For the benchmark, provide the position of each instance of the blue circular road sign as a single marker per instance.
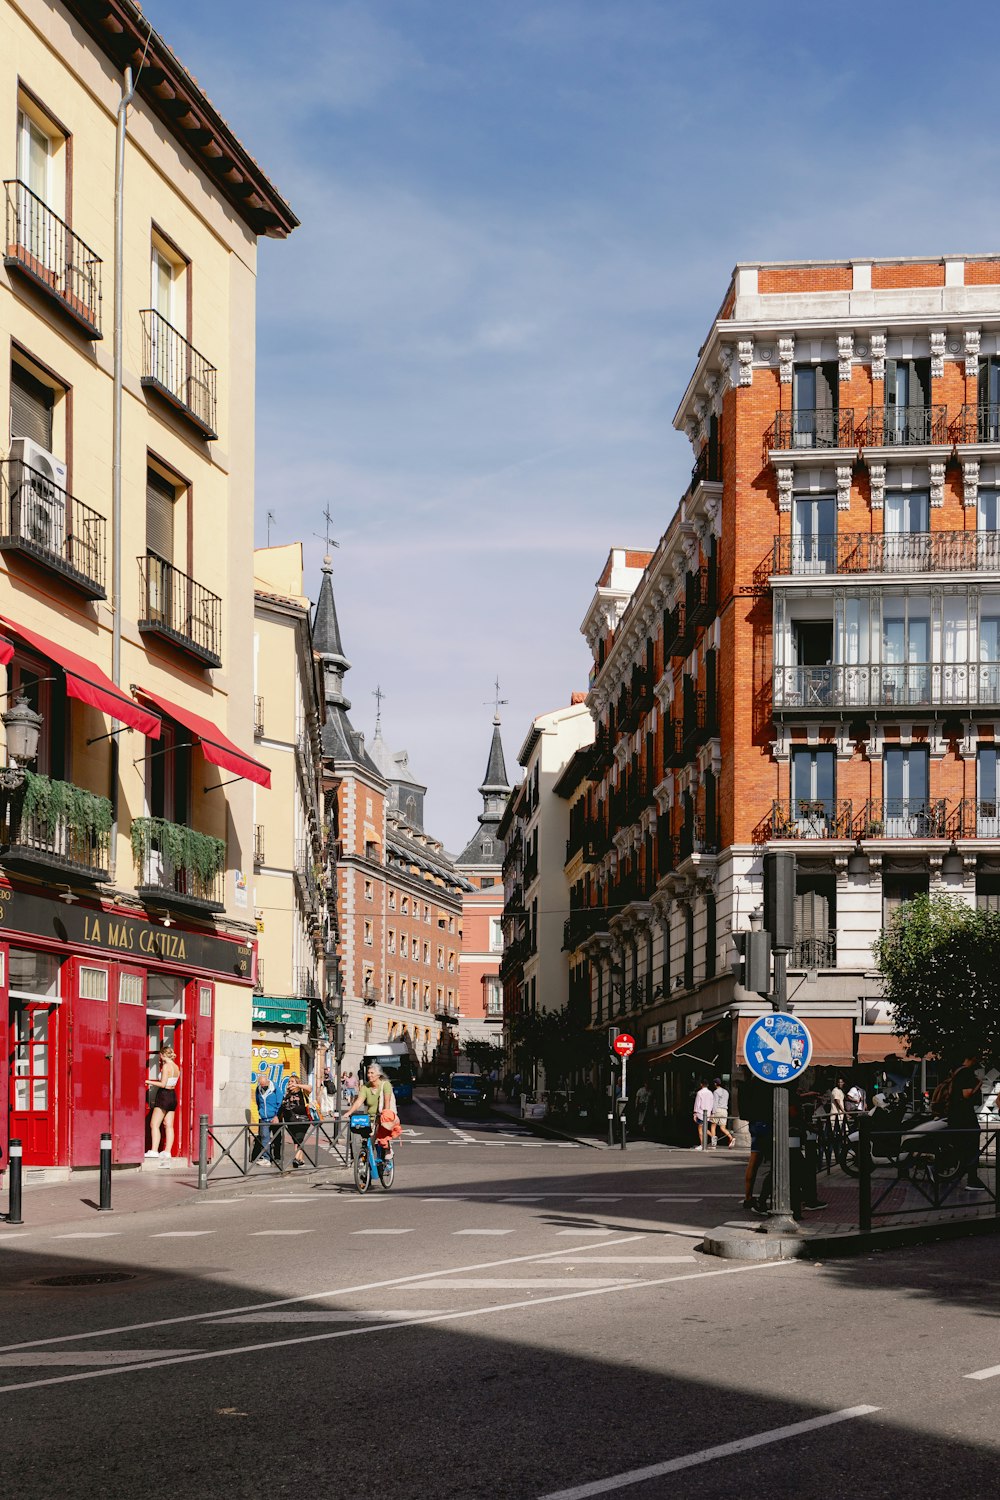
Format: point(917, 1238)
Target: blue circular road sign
point(777, 1048)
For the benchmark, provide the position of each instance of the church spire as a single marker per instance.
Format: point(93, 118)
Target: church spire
point(327, 642)
point(495, 788)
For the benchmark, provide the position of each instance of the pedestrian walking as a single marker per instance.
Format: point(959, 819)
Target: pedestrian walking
point(294, 1111)
point(268, 1096)
point(720, 1114)
point(704, 1103)
point(643, 1100)
point(965, 1095)
point(164, 1103)
point(350, 1088)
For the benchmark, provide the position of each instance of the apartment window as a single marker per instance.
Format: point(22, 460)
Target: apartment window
point(402, 991)
point(486, 881)
point(496, 935)
point(32, 402)
point(440, 958)
point(427, 997)
point(907, 512)
point(41, 160)
point(451, 963)
point(906, 650)
point(168, 775)
point(494, 998)
point(405, 908)
point(369, 982)
point(390, 990)
point(814, 534)
point(369, 935)
point(906, 779)
point(988, 892)
point(161, 502)
point(815, 391)
point(427, 953)
point(369, 891)
point(899, 888)
point(440, 997)
point(392, 900)
point(907, 394)
point(441, 923)
point(813, 777)
point(168, 287)
point(427, 913)
point(31, 676)
point(403, 945)
point(390, 940)
point(451, 924)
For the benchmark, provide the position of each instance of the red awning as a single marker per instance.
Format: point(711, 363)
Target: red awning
point(833, 1039)
point(876, 1046)
point(216, 748)
point(6, 650)
point(86, 681)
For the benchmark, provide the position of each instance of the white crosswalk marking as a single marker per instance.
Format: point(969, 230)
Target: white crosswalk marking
point(483, 1231)
point(321, 1315)
point(600, 1232)
point(36, 1357)
point(96, 1234)
point(182, 1234)
point(517, 1283)
point(382, 1231)
point(263, 1233)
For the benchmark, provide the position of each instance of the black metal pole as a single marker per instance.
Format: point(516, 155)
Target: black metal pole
point(865, 1174)
point(13, 1214)
point(780, 1219)
point(105, 1206)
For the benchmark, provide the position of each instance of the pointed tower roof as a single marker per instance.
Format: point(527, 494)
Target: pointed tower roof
point(341, 741)
point(496, 771)
point(485, 848)
point(326, 626)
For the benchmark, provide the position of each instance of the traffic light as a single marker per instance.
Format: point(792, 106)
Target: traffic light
point(779, 898)
point(612, 1033)
point(752, 969)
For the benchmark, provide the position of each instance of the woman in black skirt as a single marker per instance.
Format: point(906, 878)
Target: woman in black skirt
point(295, 1113)
point(164, 1103)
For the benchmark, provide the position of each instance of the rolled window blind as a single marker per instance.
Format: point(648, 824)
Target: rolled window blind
point(160, 500)
point(31, 405)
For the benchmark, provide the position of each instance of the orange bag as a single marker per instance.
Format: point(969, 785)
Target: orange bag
point(389, 1125)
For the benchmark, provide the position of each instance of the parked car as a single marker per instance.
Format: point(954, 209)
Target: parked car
point(467, 1091)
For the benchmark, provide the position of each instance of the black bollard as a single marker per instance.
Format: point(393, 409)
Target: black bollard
point(105, 1173)
point(13, 1214)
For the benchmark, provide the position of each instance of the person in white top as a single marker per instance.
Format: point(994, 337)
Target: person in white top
point(837, 1107)
point(704, 1104)
point(720, 1114)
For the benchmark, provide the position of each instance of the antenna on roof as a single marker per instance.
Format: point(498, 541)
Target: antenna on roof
point(498, 702)
point(378, 695)
point(270, 523)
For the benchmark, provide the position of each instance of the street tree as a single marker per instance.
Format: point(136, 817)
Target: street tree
point(483, 1054)
point(939, 959)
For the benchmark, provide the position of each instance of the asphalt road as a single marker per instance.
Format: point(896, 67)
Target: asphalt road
point(517, 1318)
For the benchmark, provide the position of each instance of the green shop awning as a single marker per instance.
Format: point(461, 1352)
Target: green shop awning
point(280, 1012)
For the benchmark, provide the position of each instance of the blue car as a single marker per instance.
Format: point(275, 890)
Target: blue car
point(465, 1092)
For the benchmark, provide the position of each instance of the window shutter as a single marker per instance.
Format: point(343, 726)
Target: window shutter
point(919, 382)
point(826, 387)
point(890, 382)
point(160, 500)
point(31, 405)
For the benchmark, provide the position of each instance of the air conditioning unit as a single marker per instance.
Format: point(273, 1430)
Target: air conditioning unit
point(37, 495)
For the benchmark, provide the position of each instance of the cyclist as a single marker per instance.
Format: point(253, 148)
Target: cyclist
point(375, 1095)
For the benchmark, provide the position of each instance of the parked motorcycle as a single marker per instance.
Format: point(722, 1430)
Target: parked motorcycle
point(905, 1137)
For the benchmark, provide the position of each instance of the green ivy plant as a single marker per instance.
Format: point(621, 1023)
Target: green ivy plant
point(199, 854)
point(50, 803)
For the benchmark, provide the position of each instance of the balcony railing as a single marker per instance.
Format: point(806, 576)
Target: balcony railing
point(696, 838)
point(176, 371)
point(888, 687)
point(696, 721)
point(811, 427)
point(42, 247)
point(902, 818)
point(970, 818)
point(305, 984)
point(177, 865)
point(813, 950)
point(305, 872)
point(530, 868)
point(51, 528)
point(56, 826)
point(699, 598)
point(674, 630)
point(888, 552)
point(674, 752)
point(801, 818)
point(179, 610)
point(976, 424)
point(903, 426)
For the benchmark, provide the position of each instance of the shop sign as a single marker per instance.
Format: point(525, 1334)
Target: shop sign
point(668, 1031)
point(86, 928)
point(281, 1012)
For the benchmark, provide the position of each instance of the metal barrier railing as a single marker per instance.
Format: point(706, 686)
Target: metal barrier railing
point(235, 1145)
point(915, 1171)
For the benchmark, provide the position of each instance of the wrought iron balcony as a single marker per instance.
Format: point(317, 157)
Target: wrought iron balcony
point(811, 427)
point(802, 818)
point(699, 598)
point(51, 528)
point(57, 827)
point(972, 818)
point(175, 370)
point(813, 950)
point(695, 838)
point(888, 687)
point(582, 924)
point(674, 630)
point(697, 722)
point(667, 849)
point(902, 818)
point(178, 866)
point(707, 467)
point(976, 424)
point(596, 841)
point(175, 608)
point(888, 552)
point(903, 426)
point(305, 984)
point(530, 870)
point(674, 750)
point(43, 248)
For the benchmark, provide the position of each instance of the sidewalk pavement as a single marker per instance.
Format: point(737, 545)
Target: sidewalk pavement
point(596, 1139)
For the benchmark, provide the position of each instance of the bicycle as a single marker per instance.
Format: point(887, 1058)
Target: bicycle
point(370, 1159)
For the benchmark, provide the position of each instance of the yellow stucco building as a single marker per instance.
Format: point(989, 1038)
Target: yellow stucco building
point(126, 583)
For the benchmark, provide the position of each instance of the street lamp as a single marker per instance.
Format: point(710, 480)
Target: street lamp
point(23, 727)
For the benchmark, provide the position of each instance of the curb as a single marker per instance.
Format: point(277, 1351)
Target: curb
point(734, 1242)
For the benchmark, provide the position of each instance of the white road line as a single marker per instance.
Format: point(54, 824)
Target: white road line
point(182, 1234)
point(421, 1278)
point(96, 1234)
point(463, 1135)
point(584, 1231)
point(383, 1231)
point(96, 1357)
point(599, 1198)
point(445, 1317)
point(521, 1198)
point(707, 1455)
point(623, 1260)
point(987, 1374)
point(519, 1283)
point(256, 1234)
point(328, 1315)
point(483, 1232)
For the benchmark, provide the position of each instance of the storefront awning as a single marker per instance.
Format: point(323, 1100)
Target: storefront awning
point(687, 1046)
point(6, 650)
point(216, 748)
point(833, 1039)
point(876, 1046)
point(86, 681)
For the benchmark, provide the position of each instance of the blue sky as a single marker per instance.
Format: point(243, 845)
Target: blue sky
point(517, 222)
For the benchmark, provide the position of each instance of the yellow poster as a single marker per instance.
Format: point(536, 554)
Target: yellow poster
point(279, 1059)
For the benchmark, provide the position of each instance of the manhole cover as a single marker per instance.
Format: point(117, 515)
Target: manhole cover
point(85, 1278)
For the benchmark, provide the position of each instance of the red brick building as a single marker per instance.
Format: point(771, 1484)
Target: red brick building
point(810, 658)
point(481, 863)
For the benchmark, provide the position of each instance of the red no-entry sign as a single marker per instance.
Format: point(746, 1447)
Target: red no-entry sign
point(624, 1044)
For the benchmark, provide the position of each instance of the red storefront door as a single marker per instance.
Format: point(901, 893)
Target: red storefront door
point(130, 1072)
point(34, 1052)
